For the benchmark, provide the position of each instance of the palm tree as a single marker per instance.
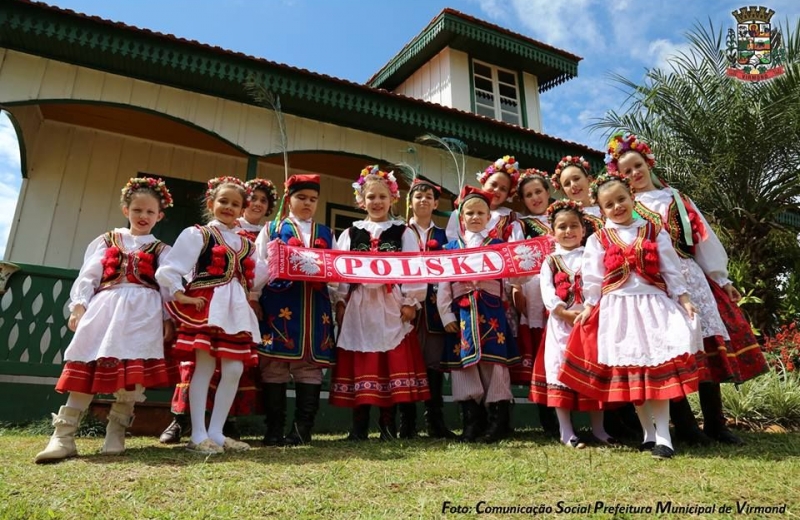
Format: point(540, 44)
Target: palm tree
point(733, 146)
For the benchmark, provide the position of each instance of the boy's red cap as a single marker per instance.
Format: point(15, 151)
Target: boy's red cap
point(419, 183)
point(471, 192)
point(296, 183)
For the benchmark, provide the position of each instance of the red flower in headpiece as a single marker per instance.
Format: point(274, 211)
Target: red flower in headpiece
point(432, 244)
point(294, 241)
point(320, 243)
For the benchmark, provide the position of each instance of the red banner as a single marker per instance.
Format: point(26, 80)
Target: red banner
point(507, 260)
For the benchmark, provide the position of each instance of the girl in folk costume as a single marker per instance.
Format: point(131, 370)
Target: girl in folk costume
point(484, 348)
point(424, 199)
point(534, 189)
point(731, 349)
point(297, 339)
point(562, 293)
point(573, 177)
point(262, 202)
point(634, 343)
point(500, 179)
point(378, 358)
point(215, 322)
point(117, 315)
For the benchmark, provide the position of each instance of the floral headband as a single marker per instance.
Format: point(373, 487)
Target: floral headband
point(148, 183)
point(267, 186)
point(506, 164)
point(569, 160)
point(605, 178)
point(374, 170)
point(531, 174)
point(563, 205)
point(216, 182)
point(623, 142)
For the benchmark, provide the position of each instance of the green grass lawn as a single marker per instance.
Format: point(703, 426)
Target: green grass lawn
point(402, 479)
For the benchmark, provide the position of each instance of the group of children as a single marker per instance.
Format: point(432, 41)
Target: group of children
point(632, 307)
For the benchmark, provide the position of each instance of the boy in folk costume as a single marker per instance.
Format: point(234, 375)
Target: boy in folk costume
point(424, 199)
point(296, 320)
point(484, 348)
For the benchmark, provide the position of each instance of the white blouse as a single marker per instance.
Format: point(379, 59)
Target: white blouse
point(710, 255)
point(593, 270)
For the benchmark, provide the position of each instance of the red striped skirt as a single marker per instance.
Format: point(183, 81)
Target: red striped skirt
point(380, 378)
point(107, 375)
point(216, 342)
point(672, 379)
point(528, 341)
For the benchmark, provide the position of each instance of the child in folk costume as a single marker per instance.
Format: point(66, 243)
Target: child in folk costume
point(424, 199)
point(378, 358)
point(484, 349)
point(262, 202)
point(297, 339)
point(500, 179)
point(574, 177)
point(534, 189)
point(215, 322)
point(634, 343)
point(732, 351)
point(117, 316)
point(562, 293)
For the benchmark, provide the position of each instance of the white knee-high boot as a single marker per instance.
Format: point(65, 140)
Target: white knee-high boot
point(120, 418)
point(62, 442)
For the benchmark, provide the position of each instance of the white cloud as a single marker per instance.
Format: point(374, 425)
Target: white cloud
point(567, 25)
point(10, 178)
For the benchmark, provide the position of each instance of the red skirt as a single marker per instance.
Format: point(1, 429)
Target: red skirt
point(380, 378)
point(107, 375)
point(673, 379)
point(216, 342)
point(740, 359)
point(528, 342)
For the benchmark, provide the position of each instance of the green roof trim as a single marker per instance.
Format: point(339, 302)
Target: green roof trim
point(50, 32)
point(483, 41)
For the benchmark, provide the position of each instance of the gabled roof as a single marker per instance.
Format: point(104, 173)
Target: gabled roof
point(64, 35)
point(481, 40)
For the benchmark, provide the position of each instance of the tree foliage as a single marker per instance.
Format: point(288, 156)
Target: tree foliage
point(733, 146)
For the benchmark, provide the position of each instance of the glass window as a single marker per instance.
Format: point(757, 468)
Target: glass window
point(496, 93)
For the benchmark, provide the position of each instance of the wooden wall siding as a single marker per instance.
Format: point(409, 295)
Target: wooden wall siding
point(532, 108)
point(460, 81)
point(431, 82)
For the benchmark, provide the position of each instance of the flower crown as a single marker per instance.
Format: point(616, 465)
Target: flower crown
point(533, 173)
point(563, 205)
point(374, 170)
point(569, 160)
point(605, 178)
point(216, 182)
point(148, 183)
point(267, 186)
point(506, 164)
point(622, 142)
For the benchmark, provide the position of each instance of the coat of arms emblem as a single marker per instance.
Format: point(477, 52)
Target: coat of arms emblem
point(754, 49)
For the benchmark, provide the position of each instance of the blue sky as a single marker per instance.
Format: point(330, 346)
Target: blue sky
point(352, 39)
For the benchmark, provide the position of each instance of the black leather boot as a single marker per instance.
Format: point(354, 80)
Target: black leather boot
point(274, 395)
point(360, 429)
point(434, 408)
point(687, 430)
point(548, 421)
point(387, 423)
point(408, 420)
point(181, 425)
point(471, 416)
point(305, 411)
point(499, 418)
point(623, 423)
point(713, 416)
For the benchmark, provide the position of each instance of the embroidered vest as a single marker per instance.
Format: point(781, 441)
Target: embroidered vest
point(622, 259)
point(568, 283)
point(503, 226)
point(218, 263)
point(533, 227)
point(137, 266)
point(391, 240)
point(433, 321)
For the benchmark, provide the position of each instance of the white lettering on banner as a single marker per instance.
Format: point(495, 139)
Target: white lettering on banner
point(490, 262)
